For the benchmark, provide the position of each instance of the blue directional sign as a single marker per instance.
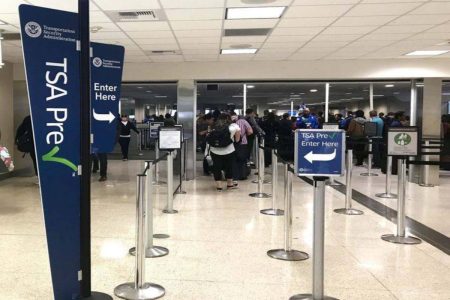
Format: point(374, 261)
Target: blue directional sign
point(106, 79)
point(319, 152)
point(52, 65)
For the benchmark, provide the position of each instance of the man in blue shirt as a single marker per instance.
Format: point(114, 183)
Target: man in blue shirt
point(306, 120)
point(376, 146)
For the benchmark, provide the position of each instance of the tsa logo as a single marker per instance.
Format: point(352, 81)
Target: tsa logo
point(33, 29)
point(97, 62)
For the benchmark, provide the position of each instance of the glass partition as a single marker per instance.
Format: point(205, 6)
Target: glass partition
point(348, 97)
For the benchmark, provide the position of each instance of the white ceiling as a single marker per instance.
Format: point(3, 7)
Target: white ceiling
point(308, 30)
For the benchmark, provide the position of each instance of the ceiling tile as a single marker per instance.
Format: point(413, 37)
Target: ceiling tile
point(201, 51)
point(441, 28)
point(270, 57)
point(335, 37)
point(323, 2)
point(125, 5)
point(277, 50)
point(228, 57)
point(155, 41)
point(10, 6)
point(349, 29)
point(10, 28)
point(167, 58)
point(433, 8)
point(251, 23)
point(229, 45)
point(160, 47)
point(363, 21)
point(269, 45)
point(306, 22)
point(106, 35)
point(403, 29)
point(430, 36)
point(144, 26)
point(369, 44)
point(98, 16)
point(240, 3)
point(134, 53)
point(200, 46)
point(325, 44)
point(390, 1)
point(192, 3)
point(105, 26)
point(289, 38)
point(382, 9)
point(150, 34)
point(386, 36)
point(421, 19)
point(195, 14)
point(197, 33)
point(306, 56)
point(61, 5)
point(243, 39)
point(10, 18)
point(297, 31)
point(201, 57)
point(200, 40)
point(321, 50)
point(188, 25)
point(317, 11)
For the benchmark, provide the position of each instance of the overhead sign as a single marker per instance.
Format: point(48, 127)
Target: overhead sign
point(106, 79)
point(403, 141)
point(154, 129)
point(49, 39)
point(170, 138)
point(319, 152)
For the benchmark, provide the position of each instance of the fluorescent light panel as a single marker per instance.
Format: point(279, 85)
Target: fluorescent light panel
point(427, 52)
point(239, 51)
point(268, 12)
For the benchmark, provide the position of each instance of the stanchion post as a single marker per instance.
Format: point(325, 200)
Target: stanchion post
point(401, 237)
point(169, 209)
point(139, 289)
point(182, 168)
point(318, 244)
point(369, 162)
point(348, 210)
point(425, 174)
point(156, 179)
point(387, 193)
point(139, 138)
point(261, 163)
point(287, 253)
point(260, 193)
point(274, 211)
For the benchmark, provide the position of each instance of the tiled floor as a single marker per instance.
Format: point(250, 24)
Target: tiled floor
point(218, 245)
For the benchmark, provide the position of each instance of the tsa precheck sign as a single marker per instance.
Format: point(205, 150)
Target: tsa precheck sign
point(319, 152)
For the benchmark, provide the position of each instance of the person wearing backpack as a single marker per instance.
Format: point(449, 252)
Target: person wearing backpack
point(356, 133)
point(25, 140)
point(221, 144)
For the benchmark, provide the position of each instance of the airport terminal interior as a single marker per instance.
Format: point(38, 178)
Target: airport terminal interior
point(257, 149)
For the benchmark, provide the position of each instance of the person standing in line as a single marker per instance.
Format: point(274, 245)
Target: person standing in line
point(224, 133)
point(250, 118)
point(25, 141)
point(376, 146)
point(306, 120)
point(285, 144)
point(240, 171)
point(270, 127)
point(356, 133)
point(100, 161)
point(169, 121)
point(125, 135)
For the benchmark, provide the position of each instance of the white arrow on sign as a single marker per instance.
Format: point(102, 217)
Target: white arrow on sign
point(320, 157)
point(104, 117)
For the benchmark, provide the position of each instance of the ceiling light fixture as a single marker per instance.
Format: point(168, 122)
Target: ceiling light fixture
point(148, 91)
point(268, 12)
point(313, 91)
point(160, 96)
point(238, 51)
point(140, 87)
point(250, 86)
point(427, 52)
point(389, 85)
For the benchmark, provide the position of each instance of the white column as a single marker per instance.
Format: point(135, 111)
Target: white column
point(244, 99)
point(327, 100)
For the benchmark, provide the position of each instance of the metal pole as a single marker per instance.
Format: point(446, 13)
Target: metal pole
point(182, 168)
point(318, 244)
point(387, 193)
point(244, 98)
point(369, 162)
point(169, 209)
point(327, 100)
point(400, 237)
point(157, 163)
point(425, 175)
point(139, 289)
point(287, 253)
point(260, 193)
point(413, 122)
point(274, 211)
point(348, 210)
point(139, 138)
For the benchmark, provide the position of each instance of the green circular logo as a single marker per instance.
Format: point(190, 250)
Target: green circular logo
point(402, 139)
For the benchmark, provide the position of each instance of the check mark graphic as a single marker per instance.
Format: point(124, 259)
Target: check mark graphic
point(51, 158)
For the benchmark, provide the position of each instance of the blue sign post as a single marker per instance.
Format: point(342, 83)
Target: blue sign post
point(52, 65)
point(106, 79)
point(319, 152)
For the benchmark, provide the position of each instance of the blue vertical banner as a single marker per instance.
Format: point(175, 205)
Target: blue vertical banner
point(49, 39)
point(106, 79)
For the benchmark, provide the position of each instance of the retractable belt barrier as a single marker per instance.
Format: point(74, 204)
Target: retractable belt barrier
point(260, 193)
point(139, 289)
point(273, 211)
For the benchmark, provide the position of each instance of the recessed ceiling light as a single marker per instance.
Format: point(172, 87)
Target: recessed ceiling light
point(389, 85)
point(250, 86)
point(237, 96)
point(427, 52)
point(313, 90)
point(268, 12)
point(378, 95)
point(238, 51)
point(140, 87)
point(349, 93)
point(148, 91)
point(160, 96)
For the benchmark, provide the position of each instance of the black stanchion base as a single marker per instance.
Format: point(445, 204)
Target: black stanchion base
point(148, 291)
point(349, 211)
point(386, 195)
point(173, 211)
point(272, 212)
point(406, 240)
point(98, 296)
point(292, 255)
point(155, 251)
point(310, 297)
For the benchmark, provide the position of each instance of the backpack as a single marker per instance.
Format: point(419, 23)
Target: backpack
point(25, 142)
point(219, 137)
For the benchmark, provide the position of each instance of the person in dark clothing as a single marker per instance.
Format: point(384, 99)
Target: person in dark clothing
point(26, 130)
point(270, 127)
point(125, 135)
point(257, 130)
point(285, 144)
point(356, 133)
point(169, 121)
point(100, 159)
